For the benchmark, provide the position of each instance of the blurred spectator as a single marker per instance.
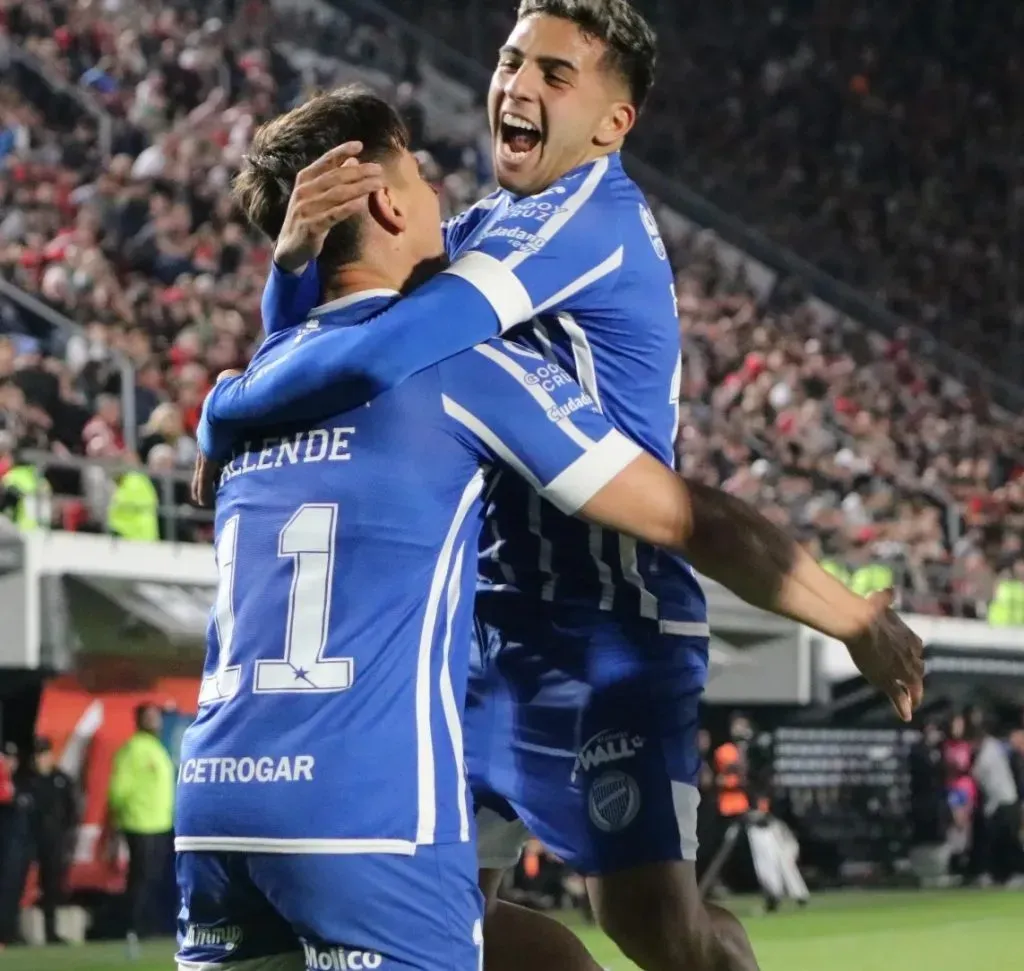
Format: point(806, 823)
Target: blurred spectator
point(1000, 853)
point(54, 818)
point(15, 843)
point(141, 801)
point(134, 511)
point(928, 799)
point(24, 493)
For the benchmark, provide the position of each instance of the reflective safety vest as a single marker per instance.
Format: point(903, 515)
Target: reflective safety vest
point(837, 570)
point(1007, 606)
point(134, 509)
point(871, 579)
point(732, 794)
point(34, 506)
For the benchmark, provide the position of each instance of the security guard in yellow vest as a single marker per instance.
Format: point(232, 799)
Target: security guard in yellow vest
point(1007, 606)
point(837, 570)
point(872, 578)
point(134, 509)
point(25, 497)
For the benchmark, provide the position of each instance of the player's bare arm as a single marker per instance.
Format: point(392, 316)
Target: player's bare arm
point(731, 542)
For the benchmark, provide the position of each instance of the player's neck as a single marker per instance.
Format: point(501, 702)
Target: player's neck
point(359, 277)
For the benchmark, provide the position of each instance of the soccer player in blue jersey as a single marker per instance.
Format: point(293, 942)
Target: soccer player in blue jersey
point(592, 649)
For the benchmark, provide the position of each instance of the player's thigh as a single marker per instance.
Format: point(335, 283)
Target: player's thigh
point(394, 912)
point(617, 788)
point(226, 921)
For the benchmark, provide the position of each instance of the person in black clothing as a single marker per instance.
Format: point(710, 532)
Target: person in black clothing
point(928, 808)
point(16, 855)
point(54, 821)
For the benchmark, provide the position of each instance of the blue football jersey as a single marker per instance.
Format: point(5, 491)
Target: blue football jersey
point(614, 326)
point(584, 264)
point(333, 689)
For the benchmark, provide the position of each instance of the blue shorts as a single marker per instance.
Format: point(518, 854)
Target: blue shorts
point(585, 728)
point(334, 912)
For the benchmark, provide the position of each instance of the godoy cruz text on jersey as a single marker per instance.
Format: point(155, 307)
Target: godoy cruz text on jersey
point(584, 261)
point(334, 683)
point(620, 340)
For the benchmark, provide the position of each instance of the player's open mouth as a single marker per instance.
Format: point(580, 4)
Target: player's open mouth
point(518, 136)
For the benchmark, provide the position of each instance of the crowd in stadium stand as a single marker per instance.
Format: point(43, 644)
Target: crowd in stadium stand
point(892, 472)
point(880, 140)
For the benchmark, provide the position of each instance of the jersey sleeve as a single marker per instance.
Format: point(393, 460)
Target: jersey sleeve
point(509, 405)
point(289, 297)
point(545, 254)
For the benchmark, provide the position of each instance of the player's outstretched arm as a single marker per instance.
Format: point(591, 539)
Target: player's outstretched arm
point(729, 541)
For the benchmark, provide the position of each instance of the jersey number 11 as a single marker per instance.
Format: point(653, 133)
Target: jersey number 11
point(308, 540)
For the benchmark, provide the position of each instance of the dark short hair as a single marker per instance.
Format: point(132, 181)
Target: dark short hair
point(141, 711)
point(631, 42)
point(283, 147)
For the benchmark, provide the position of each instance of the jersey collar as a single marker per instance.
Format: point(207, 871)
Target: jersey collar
point(344, 303)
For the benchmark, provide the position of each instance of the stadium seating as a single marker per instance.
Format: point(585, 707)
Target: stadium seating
point(879, 460)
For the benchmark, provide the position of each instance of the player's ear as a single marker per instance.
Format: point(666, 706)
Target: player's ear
point(616, 124)
point(387, 210)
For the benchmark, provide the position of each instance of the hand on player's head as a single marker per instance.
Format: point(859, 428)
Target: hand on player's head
point(890, 656)
point(330, 190)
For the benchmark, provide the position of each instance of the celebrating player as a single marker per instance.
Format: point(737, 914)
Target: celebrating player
point(587, 641)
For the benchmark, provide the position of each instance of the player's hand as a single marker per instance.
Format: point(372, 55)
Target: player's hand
point(206, 472)
point(326, 192)
point(890, 655)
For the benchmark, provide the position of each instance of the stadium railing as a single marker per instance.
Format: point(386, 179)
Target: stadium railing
point(45, 322)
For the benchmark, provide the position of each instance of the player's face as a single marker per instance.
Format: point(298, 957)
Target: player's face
point(553, 105)
point(421, 208)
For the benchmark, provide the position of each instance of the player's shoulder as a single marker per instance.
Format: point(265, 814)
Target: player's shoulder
point(474, 214)
point(501, 369)
point(484, 358)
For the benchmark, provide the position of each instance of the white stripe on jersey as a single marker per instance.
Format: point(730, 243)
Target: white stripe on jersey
point(583, 355)
point(631, 574)
point(575, 486)
point(591, 276)
point(448, 702)
point(571, 206)
point(591, 472)
point(500, 287)
point(454, 410)
point(586, 369)
point(586, 372)
point(425, 769)
point(596, 539)
point(254, 844)
point(536, 392)
point(544, 545)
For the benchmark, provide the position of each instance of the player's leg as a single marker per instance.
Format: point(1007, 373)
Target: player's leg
point(605, 747)
point(396, 912)
point(226, 922)
point(655, 915)
point(516, 937)
point(637, 773)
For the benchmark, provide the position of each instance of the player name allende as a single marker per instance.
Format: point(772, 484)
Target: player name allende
point(248, 769)
point(317, 445)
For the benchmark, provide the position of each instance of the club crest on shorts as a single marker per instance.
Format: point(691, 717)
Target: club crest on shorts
point(614, 801)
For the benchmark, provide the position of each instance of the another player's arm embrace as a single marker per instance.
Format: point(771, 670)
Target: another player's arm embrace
point(542, 256)
point(558, 440)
